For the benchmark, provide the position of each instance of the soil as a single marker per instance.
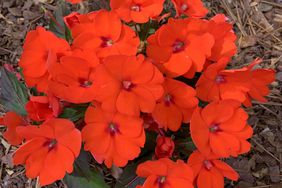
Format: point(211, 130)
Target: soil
point(258, 25)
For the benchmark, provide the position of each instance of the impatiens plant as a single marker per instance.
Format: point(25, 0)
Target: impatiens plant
point(139, 89)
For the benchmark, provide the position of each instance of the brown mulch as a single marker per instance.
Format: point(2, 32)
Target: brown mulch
point(258, 24)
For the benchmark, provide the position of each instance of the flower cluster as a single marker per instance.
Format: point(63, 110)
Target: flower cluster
point(133, 82)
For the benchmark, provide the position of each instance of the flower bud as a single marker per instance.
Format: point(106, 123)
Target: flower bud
point(72, 19)
point(164, 147)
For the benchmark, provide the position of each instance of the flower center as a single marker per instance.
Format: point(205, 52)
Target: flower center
point(208, 165)
point(85, 83)
point(214, 128)
point(106, 42)
point(168, 99)
point(127, 85)
point(184, 7)
point(178, 46)
point(113, 129)
point(135, 8)
point(50, 144)
point(161, 180)
point(220, 79)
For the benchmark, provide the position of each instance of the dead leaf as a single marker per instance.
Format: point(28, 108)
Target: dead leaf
point(265, 7)
point(10, 172)
point(243, 167)
point(8, 160)
point(5, 144)
point(274, 174)
point(261, 173)
point(279, 76)
point(15, 11)
point(269, 160)
point(243, 184)
point(116, 172)
point(247, 41)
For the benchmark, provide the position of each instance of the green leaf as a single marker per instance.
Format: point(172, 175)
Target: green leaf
point(83, 176)
point(129, 178)
point(13, 93)
point(57, 24)
point(150, 144)
point(96, 181)
point(73, 113)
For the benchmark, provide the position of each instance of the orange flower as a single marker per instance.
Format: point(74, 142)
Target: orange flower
point(210, 173)
point(40, 51)
point(176, 105)
point(217, 84)
point(79, 23)
point(72, 79)
point(260, 78)
point(128, 84)
point(112, 137)
point(50, 150)
point(164, 147)
point(74, 1)
point(165, 173)
point(179, 41)
point(12, 120)
point(224, 46)
point(72, 20)
point(110, 36)
point(136, 10)
point(221, 129)
point(41, 108)
point(192, 8)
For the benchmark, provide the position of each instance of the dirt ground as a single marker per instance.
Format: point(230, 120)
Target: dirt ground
point(258, 24)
